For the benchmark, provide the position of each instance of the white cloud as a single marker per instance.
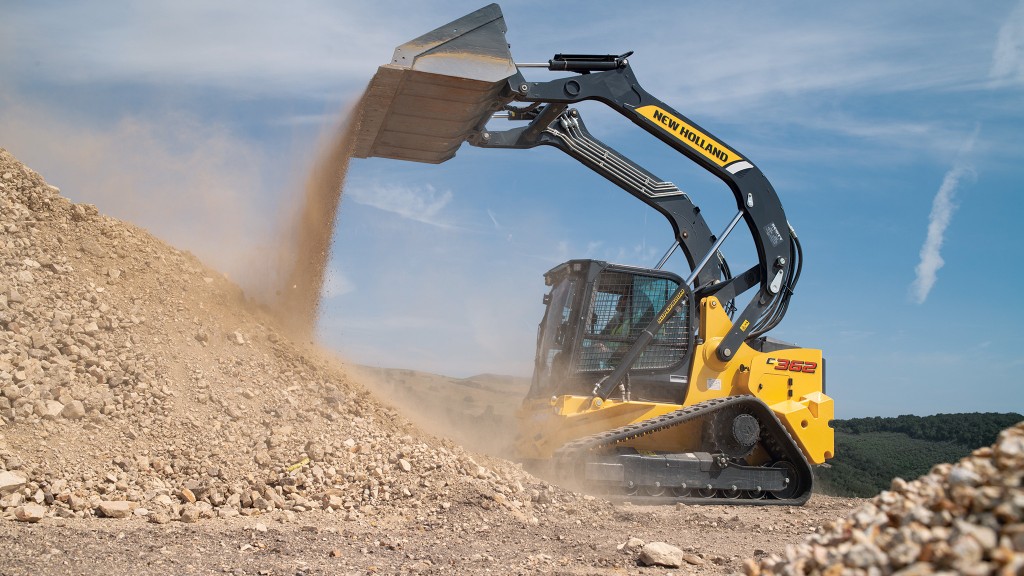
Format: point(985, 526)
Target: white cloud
point(419, 203)
point(494, 219)
point(306, 120)
point(1008, 55)
point(939, 219)
point(252, 47)
point(882, 140)
point(794, 61)
point(320, 45)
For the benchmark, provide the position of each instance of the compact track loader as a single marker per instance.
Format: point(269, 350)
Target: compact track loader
point(646, 384)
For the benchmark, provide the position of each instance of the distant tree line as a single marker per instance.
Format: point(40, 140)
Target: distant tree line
point(870, 452)
point(973, 430)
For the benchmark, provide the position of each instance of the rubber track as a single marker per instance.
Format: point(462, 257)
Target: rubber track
point(774, 437)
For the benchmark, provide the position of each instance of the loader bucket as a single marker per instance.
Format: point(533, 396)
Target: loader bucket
point(437, 90)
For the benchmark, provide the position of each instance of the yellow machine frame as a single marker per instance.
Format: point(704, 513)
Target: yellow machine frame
point(790, 382)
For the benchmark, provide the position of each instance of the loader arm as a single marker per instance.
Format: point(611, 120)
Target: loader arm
point(443, 88)
point(610, 80)
point(562, 128)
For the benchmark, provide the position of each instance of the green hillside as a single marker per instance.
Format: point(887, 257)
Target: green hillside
point(870, 452)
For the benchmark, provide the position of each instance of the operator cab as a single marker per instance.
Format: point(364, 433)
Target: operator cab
point(595, 312)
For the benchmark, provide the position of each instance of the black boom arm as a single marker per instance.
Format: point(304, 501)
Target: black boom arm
point(562, 128)
point(610, 80)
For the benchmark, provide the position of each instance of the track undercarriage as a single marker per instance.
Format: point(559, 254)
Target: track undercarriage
point(740, 429)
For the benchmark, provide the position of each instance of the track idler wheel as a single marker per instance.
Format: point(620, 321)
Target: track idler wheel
point(793, 488)
point(734, 434)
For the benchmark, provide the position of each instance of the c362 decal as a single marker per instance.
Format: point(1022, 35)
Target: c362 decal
point(805, 366)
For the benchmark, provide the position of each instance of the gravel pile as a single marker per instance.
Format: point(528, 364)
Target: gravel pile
point(136, 381)
point(963, 518)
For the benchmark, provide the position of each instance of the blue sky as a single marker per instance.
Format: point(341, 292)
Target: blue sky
point(891, 133)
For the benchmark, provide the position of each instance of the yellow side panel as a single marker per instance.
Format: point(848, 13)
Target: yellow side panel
point(807, 420)
point(785, 374)
point(789, 381)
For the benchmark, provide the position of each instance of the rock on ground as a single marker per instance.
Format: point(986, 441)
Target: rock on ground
point(118, 509)
point(10, 482)
point(30, 513)
point(661, 554)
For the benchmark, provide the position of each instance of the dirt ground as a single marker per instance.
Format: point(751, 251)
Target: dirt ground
point(716, 538)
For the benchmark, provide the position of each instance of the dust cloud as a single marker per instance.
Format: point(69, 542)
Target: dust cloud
point(194, 185)
point(479, 413)
point(307, 236)
point(200, 188)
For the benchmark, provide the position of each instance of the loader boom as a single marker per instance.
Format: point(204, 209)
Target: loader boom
point(442, 88)
point(610, 80)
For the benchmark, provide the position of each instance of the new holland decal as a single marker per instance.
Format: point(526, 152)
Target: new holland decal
point(690, 135)
point(671, 305)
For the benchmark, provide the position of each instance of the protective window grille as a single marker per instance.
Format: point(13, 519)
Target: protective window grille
point(622, 305)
